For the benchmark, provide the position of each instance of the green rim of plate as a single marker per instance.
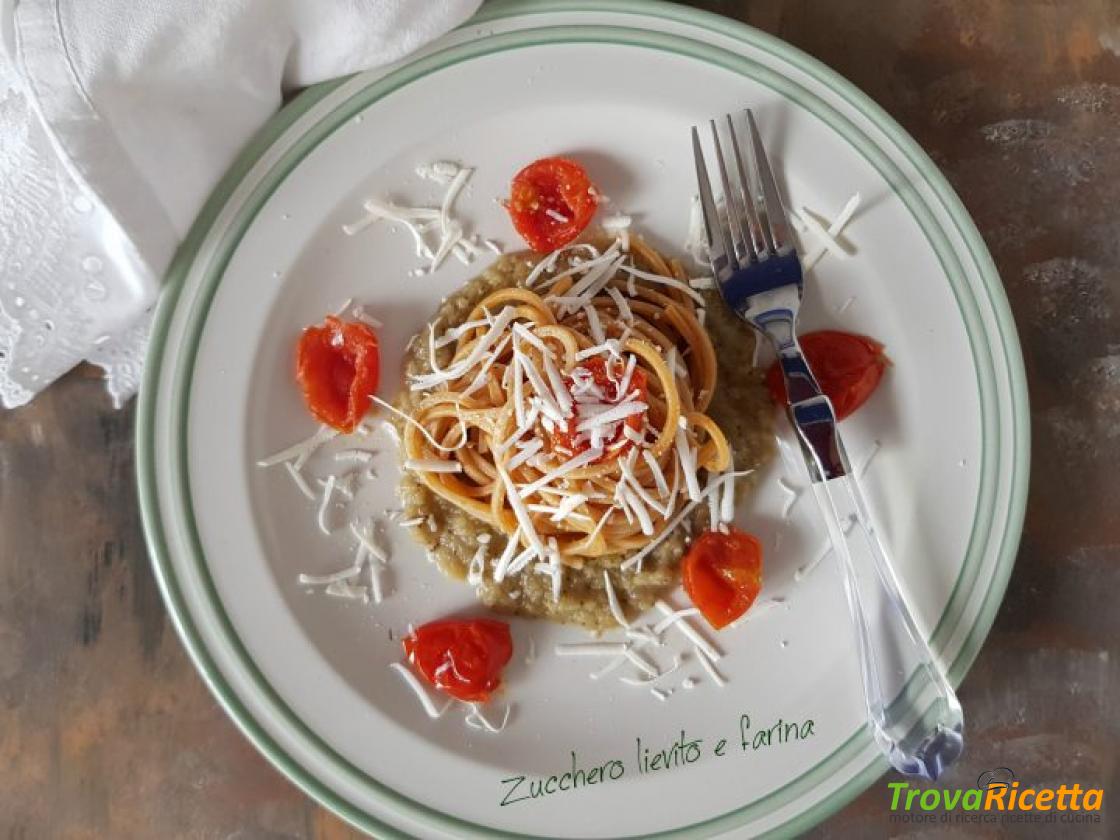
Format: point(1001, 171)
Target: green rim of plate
point(1016, 448)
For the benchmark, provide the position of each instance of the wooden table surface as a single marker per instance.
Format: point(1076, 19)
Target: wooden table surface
point(106, 730)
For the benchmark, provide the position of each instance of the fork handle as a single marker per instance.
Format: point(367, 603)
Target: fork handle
point(896, 663)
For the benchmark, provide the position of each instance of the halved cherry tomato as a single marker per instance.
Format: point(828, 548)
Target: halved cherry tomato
point(338, 365)
point(551, 201)
point(847, 366)
point(461, 657)
point(565, 439)
point(722, 574)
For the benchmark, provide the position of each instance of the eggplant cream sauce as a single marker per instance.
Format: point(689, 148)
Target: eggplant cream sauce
point(740, 406)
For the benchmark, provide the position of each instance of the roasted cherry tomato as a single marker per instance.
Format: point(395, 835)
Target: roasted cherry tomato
point(551, 201)
point(567, 439)
point(463, 658)
point(722, 574)
point(847, 366)
point(338, 366)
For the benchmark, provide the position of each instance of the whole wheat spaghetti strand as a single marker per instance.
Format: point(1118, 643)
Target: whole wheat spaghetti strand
point(549, 333)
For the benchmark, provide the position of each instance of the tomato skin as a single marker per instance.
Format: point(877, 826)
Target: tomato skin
point(847, 366)
point(553, 184)
point(566, 438)
point(338, 366)
point(463, 658)
point(722, 574)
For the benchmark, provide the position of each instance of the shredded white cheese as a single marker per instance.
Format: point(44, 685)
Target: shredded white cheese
point(696, 243)
point(432, 465)
point(834, 230)
point(347, 591)
point(686, 455)
point(440, 171)
point(807, 569)
point(611, 415)
point(480, 349)
point(323, 580)
point(423, 431)
point(422, 222)
point(662, 280)
point(517, 502)
point(643, 635)
point(581, 460)
point(300, 451)
point(592, 649)
point(709, 666)
point(361, 456)
point(690, 632)
point(612, 601)
point(375, 582)
point(476, 720)
point(713, 505)
point(321, 516)
point(364, 533)
point(477, 567)
point(502, 565)
point(520, 562)
point(567, 506)
point(609, 667)
point(673, 618)
point(421, 693)
point(640, 662)
point(727, 502)
point(549, 263)
point(655, 471)
point(359, 312)
point(299, 480)
point(625, 313)
point(525, 453)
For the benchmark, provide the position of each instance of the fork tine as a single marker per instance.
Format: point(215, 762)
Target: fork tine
point(775, 212)
point(754, 225)
point(719, 245)
point(732, 204)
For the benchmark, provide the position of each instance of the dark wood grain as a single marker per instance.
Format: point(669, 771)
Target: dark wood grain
point(106, 731)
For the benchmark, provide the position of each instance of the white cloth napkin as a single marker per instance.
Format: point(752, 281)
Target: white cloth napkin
point(117, 117)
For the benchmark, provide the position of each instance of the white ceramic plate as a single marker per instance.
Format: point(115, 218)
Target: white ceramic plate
point(616, 84)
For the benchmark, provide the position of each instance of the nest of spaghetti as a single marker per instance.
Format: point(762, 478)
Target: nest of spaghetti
point(567, 424)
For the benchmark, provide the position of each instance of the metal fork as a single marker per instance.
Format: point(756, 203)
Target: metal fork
point(758, 271)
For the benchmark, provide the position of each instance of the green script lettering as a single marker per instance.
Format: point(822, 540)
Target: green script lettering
point(676, 754)
point(744, 727)
point(517, 782)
